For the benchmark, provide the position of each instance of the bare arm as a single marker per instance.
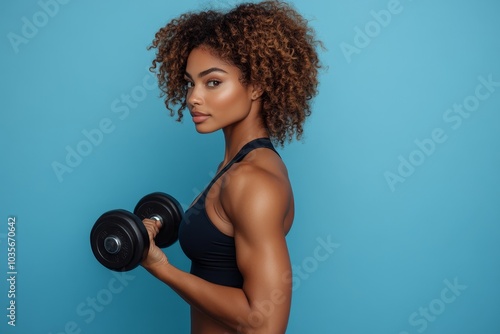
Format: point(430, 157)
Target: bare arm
point(256, 203)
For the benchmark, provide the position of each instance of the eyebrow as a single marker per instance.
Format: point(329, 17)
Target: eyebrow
point(206, 72)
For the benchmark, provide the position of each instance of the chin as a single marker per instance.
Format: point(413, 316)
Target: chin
point(204, 130)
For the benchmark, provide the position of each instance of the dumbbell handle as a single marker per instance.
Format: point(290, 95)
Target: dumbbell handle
point(112, 243)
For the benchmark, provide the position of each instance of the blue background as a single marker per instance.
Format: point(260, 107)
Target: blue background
point(398, 245)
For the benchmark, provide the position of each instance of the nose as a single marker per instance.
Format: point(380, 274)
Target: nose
point(193, 97)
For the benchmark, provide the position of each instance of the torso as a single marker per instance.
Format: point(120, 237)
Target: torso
point(272, 163)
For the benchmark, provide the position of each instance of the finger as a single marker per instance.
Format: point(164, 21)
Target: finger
point(152, 226)
point(154, 222)
point(158, 223)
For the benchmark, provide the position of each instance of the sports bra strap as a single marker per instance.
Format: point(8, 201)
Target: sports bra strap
point(247, 148)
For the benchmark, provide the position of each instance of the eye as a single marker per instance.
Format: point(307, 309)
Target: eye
point(188, 83)
point(213, 83)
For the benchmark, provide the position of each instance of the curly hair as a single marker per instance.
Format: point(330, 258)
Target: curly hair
point(270, 43)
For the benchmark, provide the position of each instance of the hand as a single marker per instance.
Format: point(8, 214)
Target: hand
point(155, 255)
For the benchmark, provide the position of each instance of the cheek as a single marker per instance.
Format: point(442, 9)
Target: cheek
point(232, 97)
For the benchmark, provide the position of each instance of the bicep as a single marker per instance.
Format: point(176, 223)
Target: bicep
point(265, 266)
point(262, 253)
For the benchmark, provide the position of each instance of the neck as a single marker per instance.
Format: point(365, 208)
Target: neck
point(238, 134)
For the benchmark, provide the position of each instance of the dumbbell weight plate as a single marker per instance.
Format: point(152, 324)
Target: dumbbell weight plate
point(119, 240)
point(169, 209)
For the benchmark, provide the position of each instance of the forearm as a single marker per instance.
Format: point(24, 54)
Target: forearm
point(227, 305)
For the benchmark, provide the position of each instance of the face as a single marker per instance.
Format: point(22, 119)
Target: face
point(215, 96)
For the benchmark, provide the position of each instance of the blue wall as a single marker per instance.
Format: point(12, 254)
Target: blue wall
point(396, 183)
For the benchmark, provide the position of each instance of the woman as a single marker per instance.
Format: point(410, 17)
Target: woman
point(250, 72)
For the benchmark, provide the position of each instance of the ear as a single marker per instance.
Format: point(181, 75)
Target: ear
point(256, 92)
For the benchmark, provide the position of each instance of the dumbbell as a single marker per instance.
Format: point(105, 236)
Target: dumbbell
point(119, 239)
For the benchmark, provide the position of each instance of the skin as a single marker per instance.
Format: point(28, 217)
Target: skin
point(252, 202)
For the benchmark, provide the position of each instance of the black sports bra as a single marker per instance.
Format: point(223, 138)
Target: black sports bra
point(212, 253)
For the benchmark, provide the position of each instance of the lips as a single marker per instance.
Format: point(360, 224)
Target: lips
point(196, 113)
point(199, 117)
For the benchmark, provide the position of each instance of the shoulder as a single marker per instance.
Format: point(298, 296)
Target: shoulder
point(256, 187)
